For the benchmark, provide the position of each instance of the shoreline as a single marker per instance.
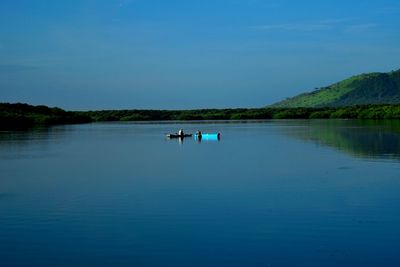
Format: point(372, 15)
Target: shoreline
point(25, 116)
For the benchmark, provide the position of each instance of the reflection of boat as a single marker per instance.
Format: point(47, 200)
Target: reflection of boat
point(208, 136)
point(179, 135)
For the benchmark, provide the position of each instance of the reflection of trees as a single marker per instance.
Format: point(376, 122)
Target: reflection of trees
point(371, 139)
point(16, 142)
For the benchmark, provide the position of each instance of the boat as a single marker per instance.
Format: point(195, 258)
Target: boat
point(208, 136)
point(179, 135)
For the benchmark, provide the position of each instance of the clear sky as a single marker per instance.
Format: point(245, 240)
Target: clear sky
point(106, 54)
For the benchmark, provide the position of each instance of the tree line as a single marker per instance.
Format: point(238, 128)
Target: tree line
point(350, 112)
point(23, 116)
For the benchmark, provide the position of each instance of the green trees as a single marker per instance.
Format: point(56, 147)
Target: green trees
point(24, 116)
point(350, 112)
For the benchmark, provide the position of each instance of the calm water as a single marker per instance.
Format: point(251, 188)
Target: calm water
point(272, 193)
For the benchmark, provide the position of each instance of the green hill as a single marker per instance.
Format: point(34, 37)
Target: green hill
point(364, 89)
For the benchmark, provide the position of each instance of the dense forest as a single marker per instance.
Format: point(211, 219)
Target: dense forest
point(22, 116)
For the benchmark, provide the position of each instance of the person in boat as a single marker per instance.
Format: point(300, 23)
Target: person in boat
point(198, 136)
point(181, 133)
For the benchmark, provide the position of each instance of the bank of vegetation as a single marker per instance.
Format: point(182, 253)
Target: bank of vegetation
point(22, 116)
point(351, 112)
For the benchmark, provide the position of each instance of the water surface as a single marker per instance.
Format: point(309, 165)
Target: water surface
point(269, 193)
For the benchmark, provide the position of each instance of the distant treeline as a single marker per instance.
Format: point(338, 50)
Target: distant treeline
point(351, 112)
point(22, 116)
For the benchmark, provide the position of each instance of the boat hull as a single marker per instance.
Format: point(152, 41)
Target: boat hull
point(179, 136)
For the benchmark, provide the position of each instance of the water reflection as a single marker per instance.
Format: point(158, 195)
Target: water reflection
point(198, 139)
point(366, 139)
point(180, 140)
point(17, 144)
point(119, 192)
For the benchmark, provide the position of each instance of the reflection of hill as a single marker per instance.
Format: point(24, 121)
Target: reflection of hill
point(368, 139)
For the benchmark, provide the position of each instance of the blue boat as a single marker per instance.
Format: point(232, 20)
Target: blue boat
point(208, 136)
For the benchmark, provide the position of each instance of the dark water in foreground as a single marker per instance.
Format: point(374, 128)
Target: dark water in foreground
point(283, 193)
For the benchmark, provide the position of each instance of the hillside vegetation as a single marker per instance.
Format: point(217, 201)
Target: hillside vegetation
point(364, 89)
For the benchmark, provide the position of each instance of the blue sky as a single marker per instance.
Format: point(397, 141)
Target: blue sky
point(87, 54)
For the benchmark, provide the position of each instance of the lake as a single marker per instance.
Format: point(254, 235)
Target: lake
point(268, 193)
